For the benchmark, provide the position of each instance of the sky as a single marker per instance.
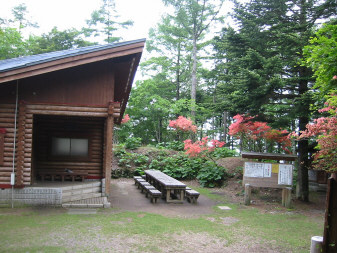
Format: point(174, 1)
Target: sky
point(67, 14)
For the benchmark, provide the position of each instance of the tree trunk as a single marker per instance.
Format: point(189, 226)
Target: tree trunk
point(178, 74)
point(303, 145)
point(303, 110)
point(194, 79)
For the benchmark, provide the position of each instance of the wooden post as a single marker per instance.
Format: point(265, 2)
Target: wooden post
point(286, 197)
point(248, 192)
point(21, 127)
point(108, 147)
point(330, 228)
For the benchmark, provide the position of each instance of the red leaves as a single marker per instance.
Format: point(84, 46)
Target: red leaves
point(183, 124)
point(243, 127)
point(324, 129)
point(202, 147)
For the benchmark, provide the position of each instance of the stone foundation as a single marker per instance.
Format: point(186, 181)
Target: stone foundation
point(32, 196)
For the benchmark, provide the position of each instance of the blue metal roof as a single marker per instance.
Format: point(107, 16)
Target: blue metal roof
point(22, 62)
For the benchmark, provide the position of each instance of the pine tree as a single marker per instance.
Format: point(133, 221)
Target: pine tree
point(105, 21)
point(261, 71)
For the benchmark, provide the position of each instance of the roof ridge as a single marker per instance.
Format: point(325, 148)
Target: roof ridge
point(30, 60)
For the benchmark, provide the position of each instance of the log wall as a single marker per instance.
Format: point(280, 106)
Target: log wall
point(62, 126)
point(7, 112)
point(43, 121)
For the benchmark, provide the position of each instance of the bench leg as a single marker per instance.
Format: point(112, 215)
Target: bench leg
point(154, 199)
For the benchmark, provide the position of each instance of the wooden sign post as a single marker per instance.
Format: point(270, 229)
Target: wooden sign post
point(269, 175)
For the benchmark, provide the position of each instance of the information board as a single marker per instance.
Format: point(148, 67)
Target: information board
point(272, 175)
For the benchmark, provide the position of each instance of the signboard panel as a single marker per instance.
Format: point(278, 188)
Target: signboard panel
point(285, 174)
point(259, 174)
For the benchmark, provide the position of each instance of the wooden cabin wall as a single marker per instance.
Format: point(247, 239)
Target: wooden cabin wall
point(7, 112)
point(46, 127)
point(24, 134)
point(82, 85)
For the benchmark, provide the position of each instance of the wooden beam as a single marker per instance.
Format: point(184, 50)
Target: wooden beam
point(20, 164)
point(277, 157)
point(108, 153)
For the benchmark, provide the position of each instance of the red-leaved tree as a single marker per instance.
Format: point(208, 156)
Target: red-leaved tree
point(324, 131)
point(257, 135)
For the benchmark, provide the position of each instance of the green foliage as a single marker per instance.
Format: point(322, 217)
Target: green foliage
point(105, 22)
point(223, 153)
point(12, 43)
point(178, 166)
point(321, 56)
point(173, 145)
point(130, 164)
point(56, 40)
point(212, 175)
point(133, 143)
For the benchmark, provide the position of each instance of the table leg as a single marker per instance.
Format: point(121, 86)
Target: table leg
point(168, 195)
point(182, 194)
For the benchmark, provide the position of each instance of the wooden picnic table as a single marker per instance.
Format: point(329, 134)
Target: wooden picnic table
point(172, 189)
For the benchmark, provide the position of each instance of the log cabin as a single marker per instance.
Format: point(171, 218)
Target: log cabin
point(58, 110)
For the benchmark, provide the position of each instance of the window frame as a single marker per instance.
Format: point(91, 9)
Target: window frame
point(70, 157)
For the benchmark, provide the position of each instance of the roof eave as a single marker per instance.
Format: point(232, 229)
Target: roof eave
point(72, 61)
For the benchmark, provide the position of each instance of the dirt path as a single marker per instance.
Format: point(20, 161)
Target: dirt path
point(125, 196)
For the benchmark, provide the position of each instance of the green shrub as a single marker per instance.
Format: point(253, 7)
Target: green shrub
point(133, 143)
point(175, 145)
point(223, 153)
point(212, 175)
point(123, 172)
point(119, 150)
point(140, 159)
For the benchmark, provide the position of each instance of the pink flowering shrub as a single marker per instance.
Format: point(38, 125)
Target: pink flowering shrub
point(183, 124)
point(203, 147)
point(125, 119)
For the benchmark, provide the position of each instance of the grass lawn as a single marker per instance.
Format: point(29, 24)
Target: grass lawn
point(242, 229)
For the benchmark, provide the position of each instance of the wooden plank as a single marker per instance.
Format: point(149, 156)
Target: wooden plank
point(2, 148)
point(248, 193)
point(69, 113)
point(48, 107)
point(269, 156)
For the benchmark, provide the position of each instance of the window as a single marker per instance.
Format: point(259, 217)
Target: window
point(70, 147)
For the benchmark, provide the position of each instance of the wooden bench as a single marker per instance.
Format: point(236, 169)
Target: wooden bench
point(138, 181)
point(192, 196)
point(154, 194)
point(147, 188)
point(136, 178)
point(73, 175)
point(142, 186)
